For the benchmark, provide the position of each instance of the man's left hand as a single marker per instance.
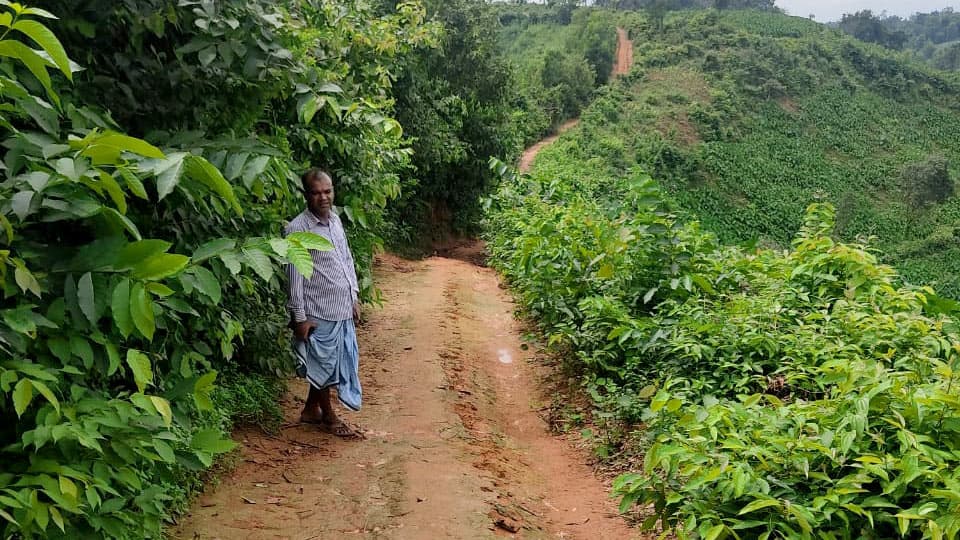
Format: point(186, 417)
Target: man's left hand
point(356, 313)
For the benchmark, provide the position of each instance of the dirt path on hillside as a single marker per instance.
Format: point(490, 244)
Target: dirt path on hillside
point(624, 58)
point(455, 447)
point(526, 158)
point(622, 62)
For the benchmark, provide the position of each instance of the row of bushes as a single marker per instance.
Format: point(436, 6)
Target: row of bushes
point(776, 394)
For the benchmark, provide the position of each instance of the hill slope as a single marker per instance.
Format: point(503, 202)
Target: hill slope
point(747, 117)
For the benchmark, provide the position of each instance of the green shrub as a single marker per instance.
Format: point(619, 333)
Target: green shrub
point(134, 273)
point(793, 394)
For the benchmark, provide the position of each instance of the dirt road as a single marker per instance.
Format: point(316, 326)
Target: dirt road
point(624, 57)
point(621, 66)
point(454, 445)
point(526, 159)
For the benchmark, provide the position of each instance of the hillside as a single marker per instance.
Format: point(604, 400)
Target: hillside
point(747, 117)
point(793, 387)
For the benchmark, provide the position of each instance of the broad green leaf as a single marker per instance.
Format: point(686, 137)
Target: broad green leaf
point(203, 171)
point(254, 168)
point(310, 240)
point(259, 261)
point(133, 183)
point(7, 378)
point(207, 56)
point(235, 165)
point(163, 407)
point(330, 88)
point(136, 252)
point(22, 395)
point(308, 107)
point(210, 440)
point(714, 532)
point(57, 518)
point(160, 266)
point(169, 170)
point(20, 320)
point(208, 283)
point(301, 260)
point(41, 514)
point(757, 505)
point(68, 488)
point(164, 451)
point(212, 249)
point(141, 310)
point(106, 148)
point(22, 204)
point(60, 348)
point(159, 289)
point(140, 367)
point(605, 271)
point(113, 189)
point(81, 348)
point(122, 221)
point(130, 144)
point(25, 279)
point(47, 41)
point(231, 259)
point(85, 297)
point(33, 61)
point(120, 307)
point(202, 390)
point(279, 246)
point(113, 356)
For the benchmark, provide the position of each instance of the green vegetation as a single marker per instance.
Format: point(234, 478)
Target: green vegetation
point(934, 37)
point(138, 274)
point(560, 55)
point(478, 95)
point(746, 116)
point(775, 394)
point(802, 389)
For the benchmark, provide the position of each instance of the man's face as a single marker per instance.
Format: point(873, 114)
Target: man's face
point(319, 195)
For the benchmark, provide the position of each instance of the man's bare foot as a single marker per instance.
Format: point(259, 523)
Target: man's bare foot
point(340, 429)
point(330, 424)
point(312, 417)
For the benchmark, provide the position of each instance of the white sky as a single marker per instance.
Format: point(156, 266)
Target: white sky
point(832, 10)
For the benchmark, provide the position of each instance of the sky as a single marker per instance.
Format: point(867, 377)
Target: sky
point(832, 10)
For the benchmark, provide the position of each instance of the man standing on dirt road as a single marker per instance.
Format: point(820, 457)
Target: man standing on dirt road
point(324, 310)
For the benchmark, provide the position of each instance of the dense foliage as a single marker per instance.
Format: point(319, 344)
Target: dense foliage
point(483, 93)
point(934, 36)
point(558, 63)
point(866, 26)
point(134, 272)
point(456, 103)
point(776, 394)
point(746, 115)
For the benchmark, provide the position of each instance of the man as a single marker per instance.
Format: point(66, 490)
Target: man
point(324, 310)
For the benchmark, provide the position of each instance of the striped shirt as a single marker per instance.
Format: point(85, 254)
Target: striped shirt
point(332, 290)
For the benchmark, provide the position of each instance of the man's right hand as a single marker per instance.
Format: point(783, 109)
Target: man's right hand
point(302, 330)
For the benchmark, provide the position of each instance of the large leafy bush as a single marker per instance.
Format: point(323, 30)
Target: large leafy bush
point(133, 273)
point(793, 394)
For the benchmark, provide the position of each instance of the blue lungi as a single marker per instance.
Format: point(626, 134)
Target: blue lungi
point(330, 357)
